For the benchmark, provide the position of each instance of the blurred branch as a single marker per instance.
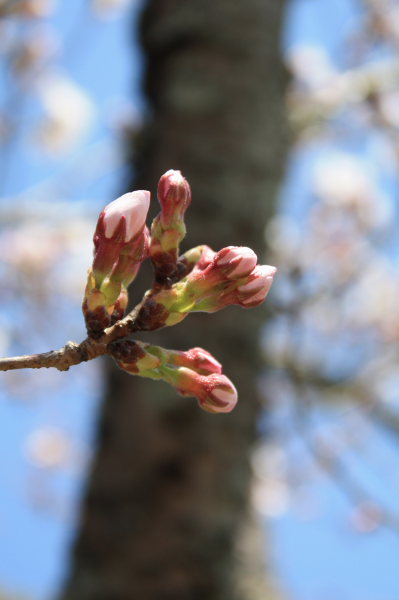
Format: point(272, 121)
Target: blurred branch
point(349, 387)
point(387, 418)
point(335, 467)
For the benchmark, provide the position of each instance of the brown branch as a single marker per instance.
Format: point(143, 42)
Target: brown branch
point(72, 353)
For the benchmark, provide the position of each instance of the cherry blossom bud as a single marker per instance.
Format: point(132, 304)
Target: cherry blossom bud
point(174, 196)
point(209, 289)
point(128, 212)
point(215, 393)
point(168, 228)
point(207, 256)
point(221, 268)
point(199, 257)
point(130, 258)
point(121, 223)
point(236, 261)
point(255, 289)
point(120, 246)
point(246, 291)
point(193, 373)
point(220, 394)
point(196, 359)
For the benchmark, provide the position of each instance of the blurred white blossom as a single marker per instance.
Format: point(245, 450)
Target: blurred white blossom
point(34, 51)
point(344, 182)
point(310, 65)
point(110, 8)
point(48, 447)
point(68, 113)
point(35, 8)
point(271, 494)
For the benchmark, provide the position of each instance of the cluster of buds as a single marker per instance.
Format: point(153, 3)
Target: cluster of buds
point(193, 373)
point(198, 280)
point(217, 280)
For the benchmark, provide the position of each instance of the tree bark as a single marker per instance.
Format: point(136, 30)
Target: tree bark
point(168, 489)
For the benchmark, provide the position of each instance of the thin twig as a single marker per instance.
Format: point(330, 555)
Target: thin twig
point(72, 353)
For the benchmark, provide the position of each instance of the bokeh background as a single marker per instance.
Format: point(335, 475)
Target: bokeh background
point(324, 461)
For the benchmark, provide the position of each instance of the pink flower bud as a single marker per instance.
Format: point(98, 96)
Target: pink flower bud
point(207, 256)
point(236, 261)
point(202, 360)
point(255, 289)
point(168, 228)
point(130, 209)
point(174, 196)
point(130, 258)
point(219, 394)
point(215, 393)
point(216, 271)
point(196, 359)
point(120, 230)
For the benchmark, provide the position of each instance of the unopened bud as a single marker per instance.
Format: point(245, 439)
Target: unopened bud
point(199, 257)
point(254, 291)
point(207, 256)
point(168, 228)
point(193, 373)
point(246, 291)
point(130, 258)
point(236, 261)
point(174, 196)
point(120, 224)
point(221, 395)
point(120, 246)
point(128, 212)
point(215, 393)
point(196, 359)
point(224, 280)
point(216, 271)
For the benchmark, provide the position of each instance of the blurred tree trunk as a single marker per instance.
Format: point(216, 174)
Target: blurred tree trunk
point(168, 490)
